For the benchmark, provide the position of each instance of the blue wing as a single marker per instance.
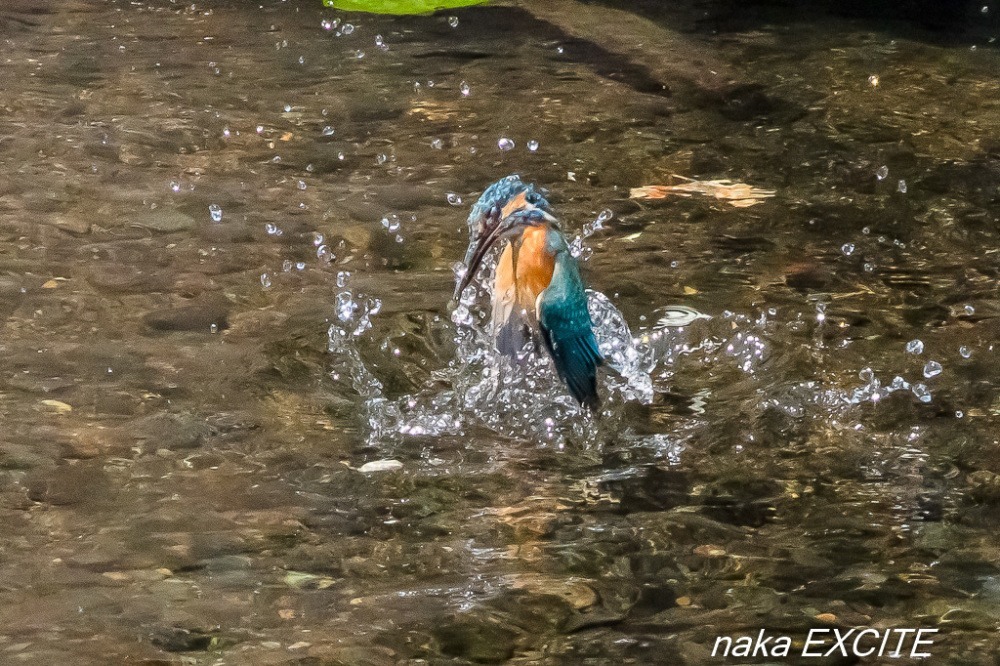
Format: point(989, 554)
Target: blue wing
point(568, 332)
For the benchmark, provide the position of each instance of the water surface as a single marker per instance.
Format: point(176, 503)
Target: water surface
point(227, 240)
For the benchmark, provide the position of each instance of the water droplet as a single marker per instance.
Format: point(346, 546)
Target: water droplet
point(225, 132)
point(345, 305)
point(327, 24)
point(921, 392)
point(272, 229)
point(453, 21)
point(215, 210)
point(505, 144)
point(454, 199)
point(175, 186)
point(391, 222)
point(317, 238)
point(532, 145)
point(560, 50)
point(882, 172)
point(359, 54)
point(265, 280)
point(347, 29)
point(323, 253)
point(969, 310)
point(302, 185)
point(381, 158)
point(300, 265)
point(873, 80)
point(985, 9)
point(276, 159)
point(302, 60)
point(901, 186)
point(464, 88)
point(328, 131)
point(915, 347)
point(380, 43)
point(437, 144)
point(342, 278)
point(260, 129)
point(288, 108)
point(964, 352)
point(214, 328)
point(932, 369)
point(847, 249)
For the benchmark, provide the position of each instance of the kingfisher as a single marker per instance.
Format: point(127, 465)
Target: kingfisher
point(537, 289)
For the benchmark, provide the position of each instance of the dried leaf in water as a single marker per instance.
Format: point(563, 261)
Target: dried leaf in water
point(58, 406)
point(380, 466)
point(739, 195)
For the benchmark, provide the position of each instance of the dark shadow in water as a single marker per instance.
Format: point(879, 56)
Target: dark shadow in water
point(923, 20)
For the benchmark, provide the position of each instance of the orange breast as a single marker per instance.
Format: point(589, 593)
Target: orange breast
point(534, 267)
point(518, 283)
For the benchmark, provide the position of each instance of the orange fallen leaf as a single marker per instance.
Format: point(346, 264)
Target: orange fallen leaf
point(739, 195)
point(287, 136)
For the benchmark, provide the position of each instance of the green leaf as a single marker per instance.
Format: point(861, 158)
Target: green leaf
point(398, 6)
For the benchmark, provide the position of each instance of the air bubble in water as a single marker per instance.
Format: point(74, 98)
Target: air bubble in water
point(453, 21)
point(882, 172)
point(347, 29)
point(381, 158)
point(214, 328)
point(317, 238)
point(915, 347)
point(265, 280)
point(327, 24)
point(921, 392)
point(969, 310)
point(260, 129)
point(302, 185)
point(225, 132)
point(288, 108)
point(437, 144)
point(873, 80)
point(272, 229)
point(464, 88)
point(454, 199)
point(302, 60)
point(323, 253)
point(342, 278)
point(964, 352)
point(327, 131)
point(215, 210)
point(532, 145)
point(380, 43)
point(932, 369)
point(847, 249)
point(286, 266)
point(175, 186)
point(901, 186)
point(505, 144)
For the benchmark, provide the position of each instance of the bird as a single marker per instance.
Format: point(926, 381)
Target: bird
point(538, 291)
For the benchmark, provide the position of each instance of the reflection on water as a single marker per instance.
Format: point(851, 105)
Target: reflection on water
point(227, 238)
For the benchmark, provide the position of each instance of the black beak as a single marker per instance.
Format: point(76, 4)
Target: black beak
point(478, 253)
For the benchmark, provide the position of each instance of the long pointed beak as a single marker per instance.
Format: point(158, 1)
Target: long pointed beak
point(474, 257)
